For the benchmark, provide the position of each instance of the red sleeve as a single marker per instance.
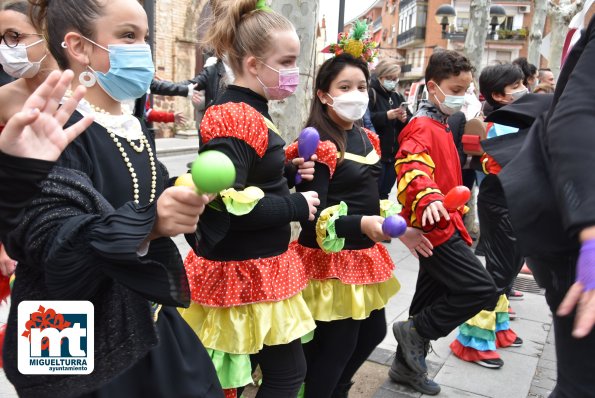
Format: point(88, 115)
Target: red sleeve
point(416, 187)
point(326, 153)
point(374, 139)
point(489, 165)
point(154, 116)
point(236, 120)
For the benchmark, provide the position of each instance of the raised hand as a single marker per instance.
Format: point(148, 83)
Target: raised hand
point(36, 131)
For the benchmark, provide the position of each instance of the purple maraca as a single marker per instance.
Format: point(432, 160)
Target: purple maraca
point(394, 226)
point(307, 144)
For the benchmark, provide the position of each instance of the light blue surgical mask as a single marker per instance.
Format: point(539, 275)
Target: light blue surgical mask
point(131, 71)
point(451, 104)
point(390, 85)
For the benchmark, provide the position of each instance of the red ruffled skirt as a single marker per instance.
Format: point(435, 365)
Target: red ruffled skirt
point(233, 283)
point(353, 267)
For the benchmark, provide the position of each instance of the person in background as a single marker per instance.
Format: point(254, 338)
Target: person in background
point(529, 71)
point(544, 88)
point(546, 76)
point(388, 118)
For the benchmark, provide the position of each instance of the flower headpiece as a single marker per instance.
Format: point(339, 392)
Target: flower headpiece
point(356, 43)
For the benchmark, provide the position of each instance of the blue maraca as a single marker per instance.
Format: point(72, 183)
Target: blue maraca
point(394, 226)
point(307, 144)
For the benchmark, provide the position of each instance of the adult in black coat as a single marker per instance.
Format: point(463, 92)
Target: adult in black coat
point(388, 119)
point(550, 190)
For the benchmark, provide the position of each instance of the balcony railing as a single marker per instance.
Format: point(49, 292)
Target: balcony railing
point(413, 34)
point(404, 3)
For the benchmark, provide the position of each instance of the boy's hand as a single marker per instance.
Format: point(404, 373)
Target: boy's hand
point(433, 212)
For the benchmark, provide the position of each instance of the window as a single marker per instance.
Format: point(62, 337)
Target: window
point(507, 24)
point(422, 16)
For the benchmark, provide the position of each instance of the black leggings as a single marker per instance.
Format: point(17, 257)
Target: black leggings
point(283, 370)
point(338, 350)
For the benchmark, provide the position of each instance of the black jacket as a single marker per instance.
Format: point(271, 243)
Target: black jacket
point(557, 160)
point(388, 130)
point(210, 80)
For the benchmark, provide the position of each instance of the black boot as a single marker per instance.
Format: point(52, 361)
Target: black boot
point(342, 390)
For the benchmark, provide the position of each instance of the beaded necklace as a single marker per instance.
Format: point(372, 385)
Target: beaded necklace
point(104, 119)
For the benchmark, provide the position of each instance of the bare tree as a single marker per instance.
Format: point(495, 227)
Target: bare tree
point(475, 40)
point(536, 32)
point(560, 16)
point(291, 114)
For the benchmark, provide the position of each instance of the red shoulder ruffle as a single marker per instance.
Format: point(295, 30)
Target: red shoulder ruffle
point(236, 120)
point(326, 152)
point(374, 139)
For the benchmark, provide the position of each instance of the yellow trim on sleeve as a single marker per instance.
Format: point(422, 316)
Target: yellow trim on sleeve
point(271, 126)
point(417, 157)
point(404, 182)
point(420, 195)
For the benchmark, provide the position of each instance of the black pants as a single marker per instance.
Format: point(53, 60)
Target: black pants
point(283, 370)
point(576, 364)
point(499, 244)
point(387, 179)
point(452, 286)
point(338, 350)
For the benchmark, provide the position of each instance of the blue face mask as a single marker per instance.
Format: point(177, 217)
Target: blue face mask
point(131, 71)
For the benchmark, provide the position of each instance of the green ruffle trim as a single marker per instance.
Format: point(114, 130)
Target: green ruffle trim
point(474, 331)
point(240, 203)
point(326, 235)
point(302, 391)
point(389, 208)
point(502, 317)
point(233, 370)
point(308, 337)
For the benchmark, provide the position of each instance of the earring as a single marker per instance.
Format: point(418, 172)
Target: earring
point(87, 79)
point(63, 44)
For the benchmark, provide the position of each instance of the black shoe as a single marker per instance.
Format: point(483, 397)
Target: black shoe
point(401, 374)
point(342, 390)
point(412, 345)
point(517, 342)
point(495, 363)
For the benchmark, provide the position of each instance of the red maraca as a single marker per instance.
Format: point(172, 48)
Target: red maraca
point(456, 197)
point(394, 226)
point(307, 144)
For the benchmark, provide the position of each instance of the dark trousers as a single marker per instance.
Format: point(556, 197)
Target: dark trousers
point(576, 364)
point(499, 244)
point(283, 370)
point(452, 286)
point(338, 350)
point(387, 179)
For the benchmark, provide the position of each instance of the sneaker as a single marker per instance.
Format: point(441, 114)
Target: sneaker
point(511, 314)
point(401, 374)
point(495, 363)
point(412, 345)
point(517, 342)
point(515, 295)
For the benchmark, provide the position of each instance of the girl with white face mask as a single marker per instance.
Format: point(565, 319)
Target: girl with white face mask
point(23, 55)
point(343, 260)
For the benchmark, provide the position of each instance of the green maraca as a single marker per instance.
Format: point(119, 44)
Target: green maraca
point(213, 172)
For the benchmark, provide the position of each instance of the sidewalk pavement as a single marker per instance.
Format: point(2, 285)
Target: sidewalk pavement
point(528, 372)
point(176, 146)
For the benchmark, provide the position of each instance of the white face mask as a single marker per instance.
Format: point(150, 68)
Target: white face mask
point(452, 103)
point(350, 106)
point(15, 61)
point(518, 94)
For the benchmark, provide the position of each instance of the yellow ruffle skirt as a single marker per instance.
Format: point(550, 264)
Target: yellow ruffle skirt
point(331, 300)
point(245, 329)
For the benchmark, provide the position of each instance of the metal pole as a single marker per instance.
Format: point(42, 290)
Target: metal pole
point(341, 15)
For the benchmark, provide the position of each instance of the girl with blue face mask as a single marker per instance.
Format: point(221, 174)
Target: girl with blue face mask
point(106, 236)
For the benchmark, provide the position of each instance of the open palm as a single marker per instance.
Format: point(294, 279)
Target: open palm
point(36, 131)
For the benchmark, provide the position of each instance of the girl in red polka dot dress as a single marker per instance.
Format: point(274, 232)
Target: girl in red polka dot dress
point(351, 275)
point(245, 283)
